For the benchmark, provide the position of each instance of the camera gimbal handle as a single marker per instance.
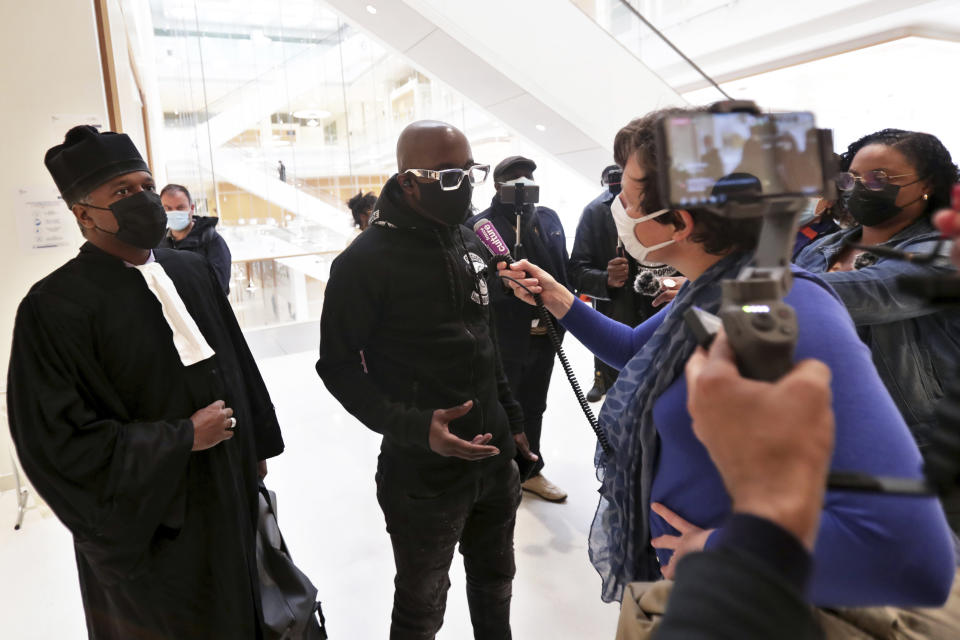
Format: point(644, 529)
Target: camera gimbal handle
point(761, 327)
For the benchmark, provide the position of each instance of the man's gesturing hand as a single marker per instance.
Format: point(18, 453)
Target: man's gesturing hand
point(210, 425)
point(447, 444)
point(771, 443)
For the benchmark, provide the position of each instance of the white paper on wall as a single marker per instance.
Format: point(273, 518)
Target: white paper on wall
point(43, 220)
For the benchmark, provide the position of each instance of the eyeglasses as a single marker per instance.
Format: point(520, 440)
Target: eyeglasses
point(450, 179)
point(874, 180)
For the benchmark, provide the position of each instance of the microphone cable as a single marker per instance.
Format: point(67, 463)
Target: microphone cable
point(945, 474)
point(567, 369)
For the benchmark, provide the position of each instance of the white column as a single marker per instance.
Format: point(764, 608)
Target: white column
point(298, 294)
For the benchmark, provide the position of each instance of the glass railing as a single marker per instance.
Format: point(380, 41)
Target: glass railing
point(638, 26)
point(274, 131)
point(278, 274)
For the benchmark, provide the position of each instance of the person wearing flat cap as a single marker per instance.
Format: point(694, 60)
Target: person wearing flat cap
point(525, 348)
point(138, 412)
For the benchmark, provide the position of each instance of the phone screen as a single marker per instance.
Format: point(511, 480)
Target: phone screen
point(717, 157)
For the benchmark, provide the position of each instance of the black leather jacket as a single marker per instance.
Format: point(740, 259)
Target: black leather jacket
point(593, 247)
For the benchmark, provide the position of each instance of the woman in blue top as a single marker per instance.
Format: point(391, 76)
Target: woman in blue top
point(871, 549)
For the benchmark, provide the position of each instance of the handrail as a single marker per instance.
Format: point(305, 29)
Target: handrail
point(647, 29)
point(703, 73)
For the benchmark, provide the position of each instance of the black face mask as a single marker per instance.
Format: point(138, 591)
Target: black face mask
point(615, 188)
point(141, 219)
point(873, 208)
point(449, 208)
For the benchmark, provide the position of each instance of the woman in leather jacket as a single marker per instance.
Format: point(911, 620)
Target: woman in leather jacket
point(891, 183)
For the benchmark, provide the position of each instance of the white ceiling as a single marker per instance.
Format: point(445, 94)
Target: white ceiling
point(729, 39)
point(783, 53)
point(737, 38)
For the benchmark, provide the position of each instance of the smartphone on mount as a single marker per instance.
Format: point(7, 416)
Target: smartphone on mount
point(519, 193)
point(716, 158)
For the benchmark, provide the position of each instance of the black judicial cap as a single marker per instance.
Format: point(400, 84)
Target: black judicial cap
point(88, 158)
point(509, 163)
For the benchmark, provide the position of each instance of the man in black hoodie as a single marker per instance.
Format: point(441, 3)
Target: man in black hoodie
point(407, 346)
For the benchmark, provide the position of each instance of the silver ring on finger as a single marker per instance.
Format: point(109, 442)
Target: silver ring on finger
point(233, 425)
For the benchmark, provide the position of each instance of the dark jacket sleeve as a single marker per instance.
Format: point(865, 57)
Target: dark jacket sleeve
point(218, 255)
point(555, 242)
point(748, 584)
point(509, 403)
point(588, 269)
point(351, 310)
point(109, 479)
point(873, 294)
point(727, 593)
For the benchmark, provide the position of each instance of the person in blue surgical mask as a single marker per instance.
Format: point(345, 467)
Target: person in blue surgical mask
point(190, 232)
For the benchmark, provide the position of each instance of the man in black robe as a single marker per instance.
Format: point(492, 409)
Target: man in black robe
point(139, 414)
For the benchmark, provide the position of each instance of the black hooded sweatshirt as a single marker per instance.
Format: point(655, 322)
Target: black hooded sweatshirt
point(406, 329)
point(204, 240)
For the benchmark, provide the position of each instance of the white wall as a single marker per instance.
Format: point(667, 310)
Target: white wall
point(911, 90)
point(51, 67)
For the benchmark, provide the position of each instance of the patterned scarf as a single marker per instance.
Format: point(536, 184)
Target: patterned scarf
point(620, 535)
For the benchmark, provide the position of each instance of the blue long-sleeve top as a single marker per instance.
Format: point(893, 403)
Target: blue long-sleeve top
point(871, 549)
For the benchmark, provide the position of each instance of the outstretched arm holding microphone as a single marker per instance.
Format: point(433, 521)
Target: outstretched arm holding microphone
point(611, 341)
point(527, 279)
point(771, 444)
point(733, 417)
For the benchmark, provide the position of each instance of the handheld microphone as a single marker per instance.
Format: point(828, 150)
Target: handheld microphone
point(492, 240)
point(495, 244)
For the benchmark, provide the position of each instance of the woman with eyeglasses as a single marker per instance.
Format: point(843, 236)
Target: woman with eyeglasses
point(892, 181)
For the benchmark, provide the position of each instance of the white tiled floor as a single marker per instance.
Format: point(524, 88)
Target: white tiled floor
point(329, 515)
